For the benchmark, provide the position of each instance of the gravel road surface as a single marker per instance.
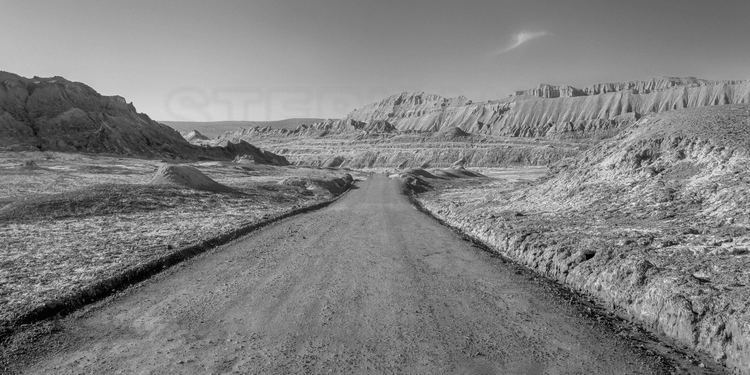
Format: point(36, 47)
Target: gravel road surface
point(366, 285)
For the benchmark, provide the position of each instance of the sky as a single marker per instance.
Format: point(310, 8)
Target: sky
point(195, 60)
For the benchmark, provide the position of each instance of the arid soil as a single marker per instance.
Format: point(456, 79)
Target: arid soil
point(68, 221)
point(368, 284)
point(653, 223)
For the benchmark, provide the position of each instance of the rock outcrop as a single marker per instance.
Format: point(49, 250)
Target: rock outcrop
point(54, 114)
point(331, 187)
point(377, 126)
point(59, 115)
point(248, 153)
point(452, 133)
point(417, 180)
point(548, 91)
point(194, 136)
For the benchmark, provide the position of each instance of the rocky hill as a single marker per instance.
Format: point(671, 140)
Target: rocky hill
point(54, 114)
point(195, 136)
point(654, 222)
point(60, 115)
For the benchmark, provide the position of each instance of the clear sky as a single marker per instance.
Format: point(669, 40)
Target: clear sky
point(270, 59)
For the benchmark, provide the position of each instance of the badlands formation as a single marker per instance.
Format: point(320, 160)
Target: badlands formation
point(552, 113)
point(641, 204)
point(531, 127)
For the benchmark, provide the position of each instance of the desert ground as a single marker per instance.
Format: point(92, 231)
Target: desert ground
point(70, 221)
point(366, 284)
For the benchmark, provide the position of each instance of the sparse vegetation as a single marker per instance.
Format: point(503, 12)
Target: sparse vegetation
point(100, 218)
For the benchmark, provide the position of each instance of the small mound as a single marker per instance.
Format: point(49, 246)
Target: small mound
point(415, 184)
point(245, 152)
point(187, 176)
point(334, 186)
point(294, 181)
point(420, 172)
point(334, 162)
point(453, 132)
point(29, 165)
point(381, 126)
point(377, 126)
point(195, 136)
point(415, 180)
point(451, 173)
point(460, 163)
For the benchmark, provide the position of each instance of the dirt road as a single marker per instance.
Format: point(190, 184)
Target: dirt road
point(368, 284)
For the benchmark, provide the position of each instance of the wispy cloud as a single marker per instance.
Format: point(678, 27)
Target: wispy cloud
point(520, 38)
